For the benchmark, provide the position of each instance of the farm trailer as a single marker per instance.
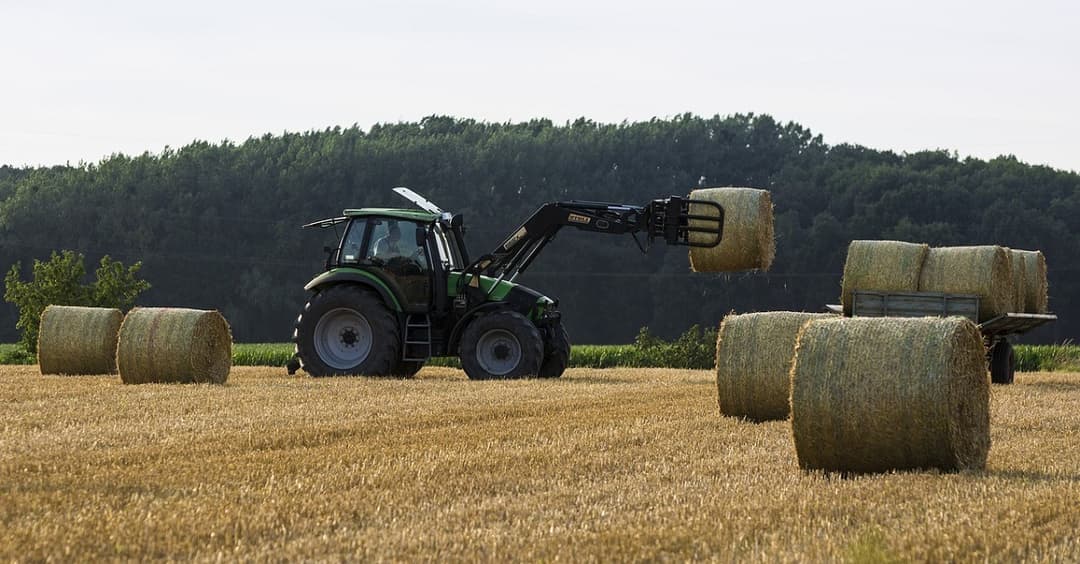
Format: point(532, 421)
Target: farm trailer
point(996, 331)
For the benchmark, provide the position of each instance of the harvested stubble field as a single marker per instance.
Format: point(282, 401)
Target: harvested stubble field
point(601, 465)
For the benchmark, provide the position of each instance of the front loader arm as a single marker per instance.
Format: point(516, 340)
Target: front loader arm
point(668, 219)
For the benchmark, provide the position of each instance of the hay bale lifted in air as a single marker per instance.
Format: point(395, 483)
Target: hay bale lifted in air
point(78, 340)
point(1035, 287)
point(984, 271)
point(747, 242)
point(753, 363)
point(880, 394)
point(884, 266)
point(174, 345)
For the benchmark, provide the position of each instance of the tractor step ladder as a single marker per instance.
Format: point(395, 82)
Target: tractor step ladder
point(417, 344)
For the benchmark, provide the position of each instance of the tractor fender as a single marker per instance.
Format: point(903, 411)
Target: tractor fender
point(455, 334)
point(360, 277)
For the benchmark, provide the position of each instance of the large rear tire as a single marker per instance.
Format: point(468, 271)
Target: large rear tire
point(408, 368)
point(556, 352)
point(1002, 363)
point(347, 330)
point(501, 345)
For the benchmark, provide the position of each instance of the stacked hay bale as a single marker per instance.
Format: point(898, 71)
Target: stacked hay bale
point(1035, 285)
point(174, 345)
point(985, 271)
point(754, 353)
point(747, 242)
point(887, 266)
point(1019, 280)
point(880, 394)
point(78, 340)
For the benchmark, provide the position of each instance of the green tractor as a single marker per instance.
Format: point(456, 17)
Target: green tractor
point(399, 287)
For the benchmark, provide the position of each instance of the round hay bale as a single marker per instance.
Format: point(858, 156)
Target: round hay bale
point(174, 345)
point(984, 271)
point(753, 363)
point(78, 340)
point(1019, 280)
point(885, 266)
point(880, 394)
point(1036, 293)
point(747, 242)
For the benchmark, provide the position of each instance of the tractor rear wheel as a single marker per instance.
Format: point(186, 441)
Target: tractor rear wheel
point(501, 345)
point(556, 352)
point(408, 368)
point(1002, 363)
point(347, 330)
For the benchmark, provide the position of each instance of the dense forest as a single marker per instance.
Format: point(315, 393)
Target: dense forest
point(218, 225)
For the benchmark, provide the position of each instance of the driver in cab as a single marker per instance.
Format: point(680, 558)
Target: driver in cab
point(390, 246)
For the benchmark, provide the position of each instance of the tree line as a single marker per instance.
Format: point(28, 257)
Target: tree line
point(216, 225)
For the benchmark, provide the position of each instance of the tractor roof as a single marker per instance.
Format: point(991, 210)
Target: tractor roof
point(414, 215)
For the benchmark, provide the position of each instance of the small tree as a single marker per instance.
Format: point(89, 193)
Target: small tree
point(58, 281)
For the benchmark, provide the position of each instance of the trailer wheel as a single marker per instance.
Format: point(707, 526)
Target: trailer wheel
point(556, 352)
point(347, 330)
point(501, 345)
point(1002, 363)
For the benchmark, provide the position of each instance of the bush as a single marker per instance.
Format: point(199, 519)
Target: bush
point(696, 348)
point(58, 281)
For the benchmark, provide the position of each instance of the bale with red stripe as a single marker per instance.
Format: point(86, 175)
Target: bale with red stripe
point(174, 345)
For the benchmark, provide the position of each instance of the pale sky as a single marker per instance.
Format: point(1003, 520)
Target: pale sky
point(82, 80)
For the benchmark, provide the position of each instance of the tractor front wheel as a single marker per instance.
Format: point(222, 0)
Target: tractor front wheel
point(556, 352)
point(501, 345)
point(347, 330)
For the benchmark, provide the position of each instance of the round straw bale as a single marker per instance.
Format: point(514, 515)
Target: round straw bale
point(886, 266)
point(174, 345)
point(984, 271)
point(753, 363)
point(1035, 286)
point(880, 394)
point(78, 340)
point(1019, 275)
point(747, 242)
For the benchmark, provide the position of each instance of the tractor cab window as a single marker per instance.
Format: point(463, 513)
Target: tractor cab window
point(352, 246)
point(395, 239)
point(397, 246)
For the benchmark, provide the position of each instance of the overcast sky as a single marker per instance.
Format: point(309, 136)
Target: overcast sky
point(82, 80)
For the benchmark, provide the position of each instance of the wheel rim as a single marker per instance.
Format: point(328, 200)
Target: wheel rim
point(498, 351)
point(343, 338)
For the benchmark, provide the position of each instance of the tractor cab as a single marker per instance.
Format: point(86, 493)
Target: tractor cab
point(405, 253)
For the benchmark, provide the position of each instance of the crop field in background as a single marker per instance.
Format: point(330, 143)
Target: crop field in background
point(1029, 358)
point(599, 465)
